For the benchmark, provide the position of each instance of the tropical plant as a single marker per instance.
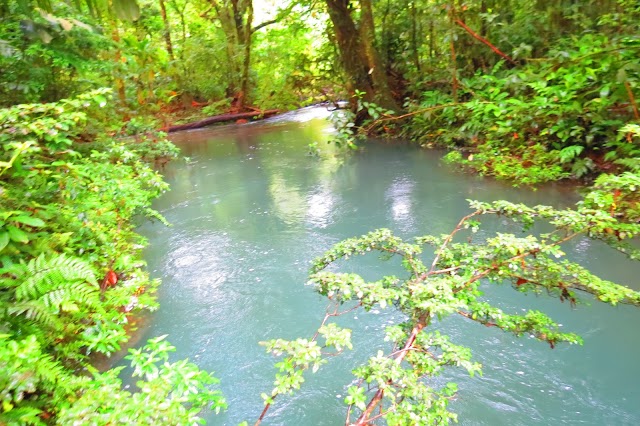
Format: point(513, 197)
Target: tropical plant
point(65, 223)
point(52, 298)
point(168, 393)
point(38, 390)
point(397, 383)
point(548, 120)
point(30, 378)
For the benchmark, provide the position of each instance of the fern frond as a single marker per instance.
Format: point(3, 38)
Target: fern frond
point(42, 276)
point(49, 287)
point(37, 312)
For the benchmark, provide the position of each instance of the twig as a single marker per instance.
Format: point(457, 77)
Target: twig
point(423, 321)
point(485, 41)
point(420, 111)
point(449, 238)
point(328, 314)
point(632, 99)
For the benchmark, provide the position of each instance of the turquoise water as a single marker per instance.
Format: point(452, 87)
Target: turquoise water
point(251, 209)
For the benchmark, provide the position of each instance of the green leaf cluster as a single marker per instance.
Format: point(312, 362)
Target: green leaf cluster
point(168, 393)
point(398, 384)
point(66, 221)
point(547, 120)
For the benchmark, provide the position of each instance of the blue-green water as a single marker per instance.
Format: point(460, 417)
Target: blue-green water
point(251, 210)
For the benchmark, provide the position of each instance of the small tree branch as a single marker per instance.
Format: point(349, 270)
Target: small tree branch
point(447, 240)
point(632, 99)
point(281, 14)
point(420, 111)
point(445, 271)
point(205, 13)
point(422, 322)
point(485, 41)
point(263, 24)
point(332, 310)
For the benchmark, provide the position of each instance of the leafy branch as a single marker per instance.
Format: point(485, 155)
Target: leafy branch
point(396, 385)
point(302, 354)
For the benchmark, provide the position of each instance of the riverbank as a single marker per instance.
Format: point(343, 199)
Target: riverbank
point(71, 267)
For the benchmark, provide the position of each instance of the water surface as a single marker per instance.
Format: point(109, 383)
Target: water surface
point(251, 209)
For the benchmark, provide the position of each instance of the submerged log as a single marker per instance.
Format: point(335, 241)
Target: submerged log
point(223, 118)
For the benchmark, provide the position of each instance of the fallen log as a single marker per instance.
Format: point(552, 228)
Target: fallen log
point(223, 118)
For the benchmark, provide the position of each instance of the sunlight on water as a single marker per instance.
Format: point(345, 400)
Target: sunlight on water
point(251, 209)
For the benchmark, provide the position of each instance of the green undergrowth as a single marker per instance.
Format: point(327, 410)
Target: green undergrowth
point(71, 271)
point(563, 116)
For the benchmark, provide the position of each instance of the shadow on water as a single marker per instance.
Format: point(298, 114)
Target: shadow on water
point(251, 209)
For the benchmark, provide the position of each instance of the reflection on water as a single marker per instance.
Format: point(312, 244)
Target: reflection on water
point(288, 202)
point(251, 209)
point(399, 195)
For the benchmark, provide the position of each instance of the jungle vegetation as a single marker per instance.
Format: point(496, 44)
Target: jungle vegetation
point(528, 91)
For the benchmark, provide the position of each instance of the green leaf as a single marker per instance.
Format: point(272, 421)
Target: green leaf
point(4, 240)
point(28, 220)
point(127, 10)
point(621, 76)
point(102, 101)
point(570, 152)
point(17, 235)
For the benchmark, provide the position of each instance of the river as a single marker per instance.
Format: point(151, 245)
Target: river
point(251, 208)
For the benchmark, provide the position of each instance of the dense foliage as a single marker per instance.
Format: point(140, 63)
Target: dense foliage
point(511, 86)
point(560, 117)
point(529, 91)
point(65, 224)
point(174, 54)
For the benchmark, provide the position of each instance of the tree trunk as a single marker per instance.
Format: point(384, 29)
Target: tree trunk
point(236, 20)
point(350, 48)
point(222, 119)
point(248, 32)
point(452, 46)
point(167, 30)
point(414, 38)
point(382, 93)
point(117, 77)
point(184, 75)
point(483, 26)
point(359, 59)
point(432, 39)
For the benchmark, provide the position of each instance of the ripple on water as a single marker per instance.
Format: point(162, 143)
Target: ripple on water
point(244, 232)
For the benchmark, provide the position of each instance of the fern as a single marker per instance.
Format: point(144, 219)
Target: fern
point(632, 164)
point(41, 275)
point(570, 152)
point(45, 289)
point(37, 312)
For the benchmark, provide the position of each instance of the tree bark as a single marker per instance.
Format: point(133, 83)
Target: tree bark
point(222, 119)
point(452, 46)
point(167, 29)
point(248, 33)
point(414, 37)
point(359, 57)
point(377, 70)
point(236, 20)
point(117, 77)
point(350, 48)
